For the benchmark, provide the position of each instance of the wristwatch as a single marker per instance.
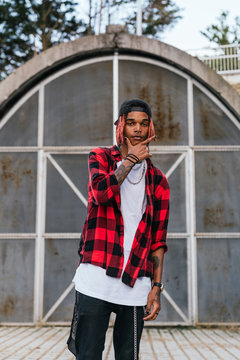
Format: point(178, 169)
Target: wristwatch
point(160, 285)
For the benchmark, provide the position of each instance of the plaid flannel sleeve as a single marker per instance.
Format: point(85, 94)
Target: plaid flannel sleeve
point(160, 215)
point(104, 184)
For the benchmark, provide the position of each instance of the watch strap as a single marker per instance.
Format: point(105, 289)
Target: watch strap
point(160, 285)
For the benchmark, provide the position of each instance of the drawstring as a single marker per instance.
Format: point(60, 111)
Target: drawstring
point(135, 331)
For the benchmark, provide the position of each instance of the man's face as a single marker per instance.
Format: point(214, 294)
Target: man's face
point(136, 127)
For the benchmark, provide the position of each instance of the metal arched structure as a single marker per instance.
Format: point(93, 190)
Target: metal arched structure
point(63, 103)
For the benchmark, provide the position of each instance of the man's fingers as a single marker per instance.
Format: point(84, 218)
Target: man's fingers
point(151, 316)
point(147, 141)
point(128, 142)
point(154, 313)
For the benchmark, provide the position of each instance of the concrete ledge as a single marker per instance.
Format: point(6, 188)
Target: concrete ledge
point(92, 45)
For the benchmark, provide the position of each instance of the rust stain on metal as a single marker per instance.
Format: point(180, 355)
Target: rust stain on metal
point(8, 305)
point(8, 174)
point(208, 118)
point(53, 249)
point(144, 93)
point(214, 166)
point(166, 128)
point(4, 255)
point(11, 172)
point(128, 91)
point(215, 215)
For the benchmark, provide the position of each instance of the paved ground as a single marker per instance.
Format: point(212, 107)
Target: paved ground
point(48, 343)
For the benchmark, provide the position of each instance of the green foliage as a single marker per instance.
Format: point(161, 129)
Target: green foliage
point(15, 35)
point(30, 26)
point(222, 33)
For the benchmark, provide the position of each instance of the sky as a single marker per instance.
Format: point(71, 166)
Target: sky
point(197, 15)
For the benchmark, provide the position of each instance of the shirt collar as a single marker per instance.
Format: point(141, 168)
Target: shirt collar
point(115, 152)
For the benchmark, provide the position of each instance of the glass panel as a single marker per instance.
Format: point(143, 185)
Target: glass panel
point(177, 218)
point(78, 107)
point(164, 161)
point(217, 191)
point(175, 280)
point(16, 280)
point(76, 167)
point(21, 128)
point(61, 261)
point(166, 93)
point(18, 192)
point(218, 280)
point(65, 211)
point(211, 124)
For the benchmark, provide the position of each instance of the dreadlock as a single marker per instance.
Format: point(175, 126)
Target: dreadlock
point(121, 125)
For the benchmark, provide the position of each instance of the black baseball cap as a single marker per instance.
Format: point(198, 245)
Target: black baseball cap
point(134, 105)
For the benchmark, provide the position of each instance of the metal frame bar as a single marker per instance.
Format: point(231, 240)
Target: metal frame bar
point(115, 93)
point(40, 116)
point(85, 149)
point(175, 235)
point(192, 254)
point(190, 113)
point(40, 217)
point(218, 235)
point(191, 210)
point(39, 244)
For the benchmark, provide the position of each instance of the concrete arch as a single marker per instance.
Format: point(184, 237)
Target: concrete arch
point(59, 56)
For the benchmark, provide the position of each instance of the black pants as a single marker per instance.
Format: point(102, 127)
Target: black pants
point(90, 323)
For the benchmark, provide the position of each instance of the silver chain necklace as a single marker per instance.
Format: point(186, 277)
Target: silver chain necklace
point(143, 172)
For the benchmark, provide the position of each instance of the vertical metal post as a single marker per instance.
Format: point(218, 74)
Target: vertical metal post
point(40, 216)
point(190, 113)
point(39, 243)
point(139, 17)
point(115, 92)
point(192, 252)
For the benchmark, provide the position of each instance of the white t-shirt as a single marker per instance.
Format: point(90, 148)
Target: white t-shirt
point(92, 280)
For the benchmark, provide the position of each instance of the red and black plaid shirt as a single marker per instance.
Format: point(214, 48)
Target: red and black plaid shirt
point(102, 236)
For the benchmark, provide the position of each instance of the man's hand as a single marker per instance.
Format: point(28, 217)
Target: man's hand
point(140, 150)
point(153, 304)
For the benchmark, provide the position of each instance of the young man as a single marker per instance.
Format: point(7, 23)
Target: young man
point(123, 241)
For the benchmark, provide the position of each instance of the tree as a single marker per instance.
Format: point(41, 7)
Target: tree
point(102, 12)
point(157, 15)
point(222, 33)
point(30, 26)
